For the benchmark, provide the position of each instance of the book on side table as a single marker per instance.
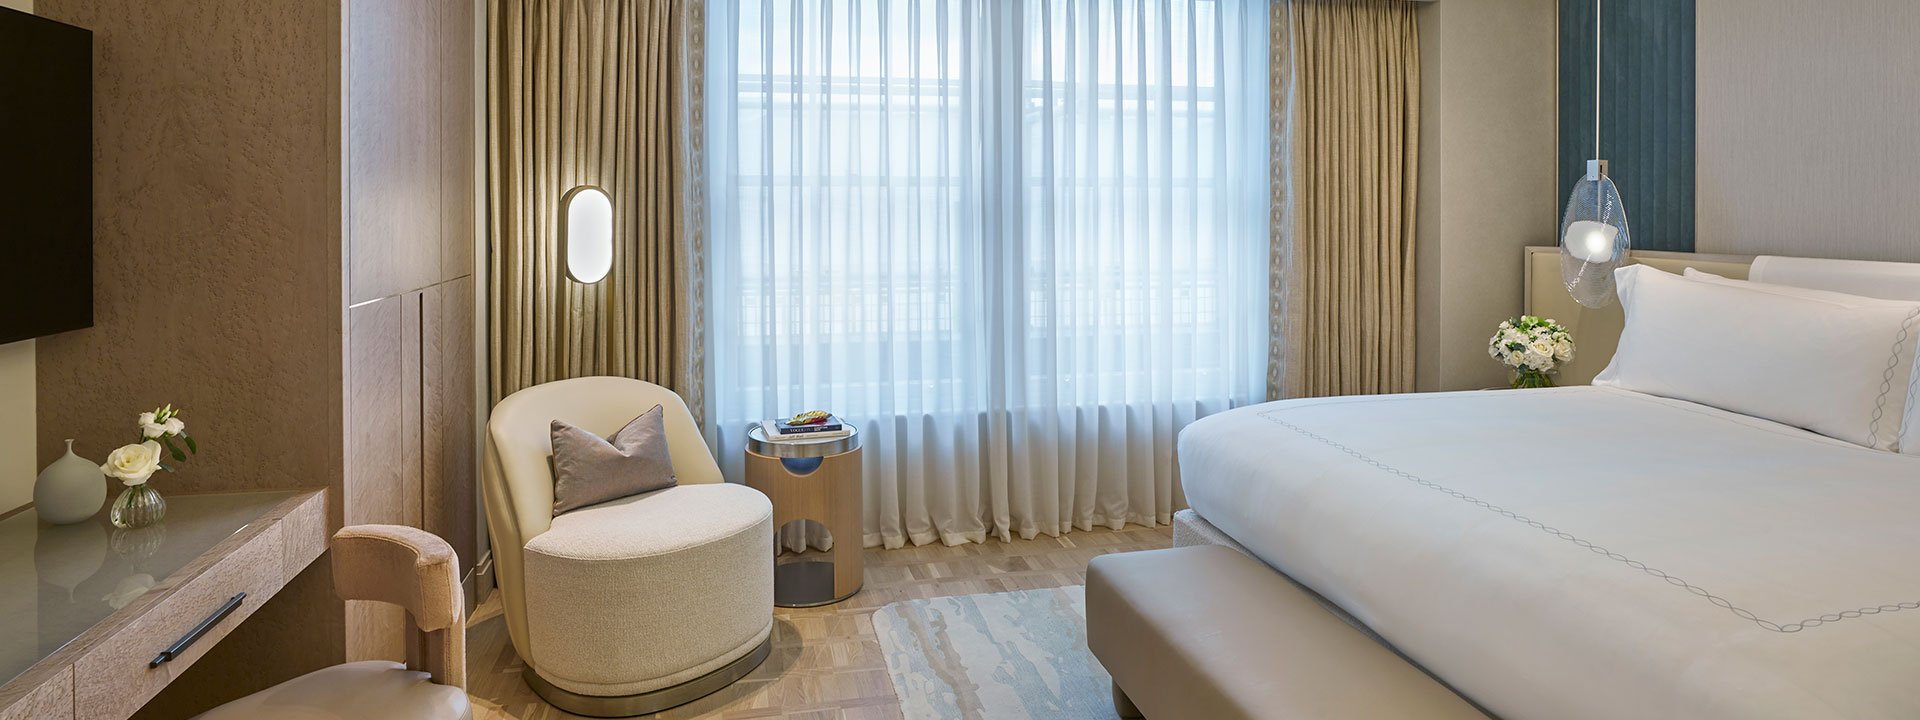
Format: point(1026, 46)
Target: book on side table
point(819, 429)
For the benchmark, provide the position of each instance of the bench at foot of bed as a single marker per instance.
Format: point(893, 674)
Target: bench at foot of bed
point(1206, 632)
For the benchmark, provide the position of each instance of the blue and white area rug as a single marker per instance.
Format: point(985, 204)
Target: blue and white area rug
point(1000, 656)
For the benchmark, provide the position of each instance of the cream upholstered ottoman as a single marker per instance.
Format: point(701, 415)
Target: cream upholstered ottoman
point(664, 596)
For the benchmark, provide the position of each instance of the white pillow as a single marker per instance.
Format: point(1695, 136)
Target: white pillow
point(1829, 362)
point(1909, 440)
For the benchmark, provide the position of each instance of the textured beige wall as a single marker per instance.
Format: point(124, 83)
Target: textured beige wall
point(1487, 104)
point(18, 464)
point(1806, 132)
point(216, 240)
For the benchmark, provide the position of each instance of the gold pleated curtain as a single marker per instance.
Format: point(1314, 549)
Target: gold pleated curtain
point(1346, 114)
point(605, 93)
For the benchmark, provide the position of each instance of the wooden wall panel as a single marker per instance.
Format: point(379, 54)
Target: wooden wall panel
point(449, 481)
point(384, 393)
point(383, 448)
point(394, 145)
point(411, 195)
point(458, 130)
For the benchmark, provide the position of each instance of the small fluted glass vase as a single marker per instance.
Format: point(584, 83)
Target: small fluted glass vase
point(138, 506)
point(1527, 378)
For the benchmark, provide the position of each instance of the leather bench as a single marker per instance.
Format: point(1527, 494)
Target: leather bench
point(1205, 632)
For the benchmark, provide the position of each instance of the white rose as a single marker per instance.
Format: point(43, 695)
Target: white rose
point(149, 428)
point(133, 464)
point(1541, 348)
point(174, 426)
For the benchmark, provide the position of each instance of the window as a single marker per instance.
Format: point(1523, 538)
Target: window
point(988, 231)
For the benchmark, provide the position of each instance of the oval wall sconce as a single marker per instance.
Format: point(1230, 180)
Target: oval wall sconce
point(586, 233)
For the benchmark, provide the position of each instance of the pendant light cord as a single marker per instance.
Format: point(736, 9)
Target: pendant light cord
point(1596, 79)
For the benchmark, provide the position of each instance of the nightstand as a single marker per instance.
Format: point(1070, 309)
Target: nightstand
point(818, 480)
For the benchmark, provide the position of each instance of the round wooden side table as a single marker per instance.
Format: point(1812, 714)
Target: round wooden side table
point(816, 480)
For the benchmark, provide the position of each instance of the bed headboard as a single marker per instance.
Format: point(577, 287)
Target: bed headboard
point(1596, 332)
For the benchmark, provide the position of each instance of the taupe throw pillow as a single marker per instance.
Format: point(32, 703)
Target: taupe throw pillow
point(589, 470)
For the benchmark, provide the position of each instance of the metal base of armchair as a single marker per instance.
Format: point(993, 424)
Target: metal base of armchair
point(648, 702)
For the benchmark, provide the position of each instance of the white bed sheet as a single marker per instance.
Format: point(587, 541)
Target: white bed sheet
point(1588, 552)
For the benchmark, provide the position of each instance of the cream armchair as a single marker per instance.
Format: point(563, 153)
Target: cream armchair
point(637, 604)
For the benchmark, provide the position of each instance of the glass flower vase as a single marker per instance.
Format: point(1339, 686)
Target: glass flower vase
point(1524, 378)
point(138, 506)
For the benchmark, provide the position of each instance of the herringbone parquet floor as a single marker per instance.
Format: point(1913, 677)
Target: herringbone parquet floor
point(826, 662)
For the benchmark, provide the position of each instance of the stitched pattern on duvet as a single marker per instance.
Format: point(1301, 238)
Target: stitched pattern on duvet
point(1743, 613)
point(1913, 401)
point(1886, 381)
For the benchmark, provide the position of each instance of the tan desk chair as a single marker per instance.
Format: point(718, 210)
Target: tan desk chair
point(394, 564)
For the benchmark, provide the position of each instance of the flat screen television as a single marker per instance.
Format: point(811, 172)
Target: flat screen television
point(46, 177)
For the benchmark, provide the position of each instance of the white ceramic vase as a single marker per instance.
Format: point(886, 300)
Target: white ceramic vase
point(70, 490)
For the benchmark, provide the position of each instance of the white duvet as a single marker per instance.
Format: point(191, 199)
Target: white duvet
point(1588, 552)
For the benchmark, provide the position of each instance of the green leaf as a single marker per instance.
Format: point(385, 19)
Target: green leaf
point(174, 451)
point(192, 447)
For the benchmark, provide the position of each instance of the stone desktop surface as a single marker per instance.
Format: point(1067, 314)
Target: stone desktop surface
point(57, 582)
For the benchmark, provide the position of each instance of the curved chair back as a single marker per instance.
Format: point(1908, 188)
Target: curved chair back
point(414, 569)
point(518, 482)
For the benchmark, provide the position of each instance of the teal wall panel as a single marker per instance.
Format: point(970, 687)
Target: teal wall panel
point(1646, 111)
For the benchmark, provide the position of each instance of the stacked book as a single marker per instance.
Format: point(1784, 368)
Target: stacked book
point(784, 431)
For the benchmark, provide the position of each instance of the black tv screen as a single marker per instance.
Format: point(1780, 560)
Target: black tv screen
point(46, 177)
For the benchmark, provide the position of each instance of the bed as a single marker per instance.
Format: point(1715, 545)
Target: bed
point(1587, 552)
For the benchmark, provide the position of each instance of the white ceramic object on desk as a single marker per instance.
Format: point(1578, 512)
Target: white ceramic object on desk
point(70, 490)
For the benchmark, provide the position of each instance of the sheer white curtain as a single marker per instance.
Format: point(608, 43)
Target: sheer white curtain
point(1020, 243)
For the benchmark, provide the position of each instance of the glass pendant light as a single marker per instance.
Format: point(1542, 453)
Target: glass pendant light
point(1593, 235)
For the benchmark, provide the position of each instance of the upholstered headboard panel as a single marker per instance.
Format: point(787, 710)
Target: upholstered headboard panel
point(1596, 332)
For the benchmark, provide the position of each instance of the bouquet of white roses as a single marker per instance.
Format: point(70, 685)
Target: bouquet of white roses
point(1534, 347)
point(162, 435)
